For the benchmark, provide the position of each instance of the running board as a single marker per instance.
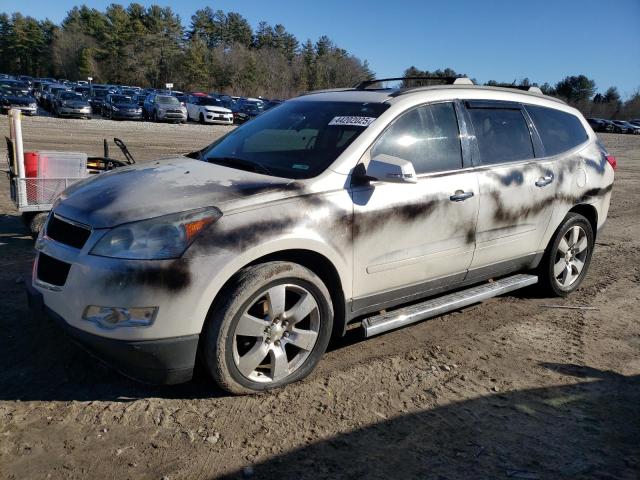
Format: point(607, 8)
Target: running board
point(437, 306)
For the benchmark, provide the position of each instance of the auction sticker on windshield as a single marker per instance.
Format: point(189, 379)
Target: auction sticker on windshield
point(353, 121)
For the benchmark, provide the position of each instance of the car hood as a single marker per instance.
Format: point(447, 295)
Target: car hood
point(159, 188)
point(217, 109)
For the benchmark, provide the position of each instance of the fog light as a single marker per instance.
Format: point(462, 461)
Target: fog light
point(115, 317)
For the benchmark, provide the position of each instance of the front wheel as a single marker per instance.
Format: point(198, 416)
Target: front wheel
point(567, 258)
point(270, 328)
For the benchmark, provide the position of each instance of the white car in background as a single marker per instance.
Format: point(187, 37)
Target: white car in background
point(208, 110)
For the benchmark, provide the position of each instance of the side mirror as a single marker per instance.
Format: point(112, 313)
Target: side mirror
point(386, 168)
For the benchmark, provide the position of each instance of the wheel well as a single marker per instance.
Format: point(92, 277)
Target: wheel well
point(590, 213)
point(318, 264)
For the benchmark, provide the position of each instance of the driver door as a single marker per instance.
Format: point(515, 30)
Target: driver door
point(410, 238)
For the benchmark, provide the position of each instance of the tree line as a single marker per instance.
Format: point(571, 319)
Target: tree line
point(577, 90)
point(135, 45)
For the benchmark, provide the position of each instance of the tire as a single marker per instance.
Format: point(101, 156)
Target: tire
point(201, 118)
point(575, 236)
point(36, 223)
point(154, 116)
point(250, 305)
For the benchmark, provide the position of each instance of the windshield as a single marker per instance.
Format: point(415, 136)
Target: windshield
point(71, 96)
point(99, 93)
point(13, 92)
point(168, 100)
point(208, 101)
point(297, 140)
point(120, 99)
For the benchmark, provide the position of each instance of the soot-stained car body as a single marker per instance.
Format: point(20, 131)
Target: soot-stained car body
point(325, 211)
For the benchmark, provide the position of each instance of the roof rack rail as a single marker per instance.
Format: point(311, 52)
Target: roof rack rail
point(526, 88)
point(442, 81)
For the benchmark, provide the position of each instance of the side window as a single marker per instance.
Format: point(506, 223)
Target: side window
point(428, 136)
point(502, 134)
point(559, 131)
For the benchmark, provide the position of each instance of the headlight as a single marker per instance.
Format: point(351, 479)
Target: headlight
point(33, 105)
point(156, 238)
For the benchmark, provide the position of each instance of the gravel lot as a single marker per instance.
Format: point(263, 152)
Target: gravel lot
point(505, 389)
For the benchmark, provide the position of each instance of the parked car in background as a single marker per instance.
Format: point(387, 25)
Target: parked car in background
point(600, 125)
point(626, 127)
point(83, 89)
point(17, 98)
point(164, 108)
point(51, 94)
point(614, 128)
point(247, 108)
point(121, 107)
point(96, 98)
point(71, 104)
point(139, 99)
point(206, 109)
point(16, 85)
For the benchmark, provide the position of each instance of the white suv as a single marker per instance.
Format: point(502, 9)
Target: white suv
point(335, 207)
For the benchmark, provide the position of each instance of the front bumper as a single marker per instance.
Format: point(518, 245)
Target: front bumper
point(126, 115)
point(26, 109)
point(163, 361)
point(171, 116)
point(220, 118)
point(74, 112)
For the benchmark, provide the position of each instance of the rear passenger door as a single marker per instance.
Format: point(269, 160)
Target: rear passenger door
point(516, 190)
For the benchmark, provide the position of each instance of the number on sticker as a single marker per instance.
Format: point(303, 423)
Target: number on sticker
point(352, 121)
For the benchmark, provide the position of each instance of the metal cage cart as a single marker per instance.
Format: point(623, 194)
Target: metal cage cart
point(38, 178)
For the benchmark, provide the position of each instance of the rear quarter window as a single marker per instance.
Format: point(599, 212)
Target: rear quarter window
point(559, 131)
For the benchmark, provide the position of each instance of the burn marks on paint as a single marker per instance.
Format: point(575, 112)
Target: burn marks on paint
point(504, 214)
point(367, 223)
point(172, 277)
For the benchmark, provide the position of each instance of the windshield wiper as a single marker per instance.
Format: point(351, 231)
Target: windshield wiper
point(241, 163)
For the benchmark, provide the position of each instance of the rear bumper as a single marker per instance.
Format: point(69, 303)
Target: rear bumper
point(163, 361)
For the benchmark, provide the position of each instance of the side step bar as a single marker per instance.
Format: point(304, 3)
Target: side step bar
point(437, 306)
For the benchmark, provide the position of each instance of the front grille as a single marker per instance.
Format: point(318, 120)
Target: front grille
point(67, 233)
point(52, 271)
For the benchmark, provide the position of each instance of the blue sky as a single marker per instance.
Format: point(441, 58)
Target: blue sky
point(501, 40)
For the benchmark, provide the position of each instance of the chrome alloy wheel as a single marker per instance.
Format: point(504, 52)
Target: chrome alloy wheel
point(571, 256)
point(276, 334)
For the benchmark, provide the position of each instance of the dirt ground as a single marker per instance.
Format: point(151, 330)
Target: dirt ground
point(506, 389)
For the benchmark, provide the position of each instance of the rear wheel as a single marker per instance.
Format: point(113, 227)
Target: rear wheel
point(270, 329)
point(567, 258)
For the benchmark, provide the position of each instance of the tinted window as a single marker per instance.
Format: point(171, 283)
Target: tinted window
point(559, 131)
point(502, 135)
point(427, 136)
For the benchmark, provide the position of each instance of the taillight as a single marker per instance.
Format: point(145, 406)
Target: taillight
point(612, 161)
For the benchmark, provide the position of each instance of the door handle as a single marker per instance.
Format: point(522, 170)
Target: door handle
point(544, 181)
point(460, 196)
